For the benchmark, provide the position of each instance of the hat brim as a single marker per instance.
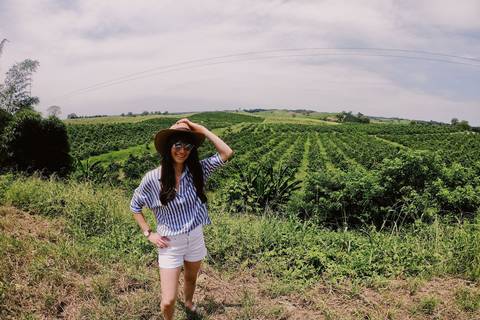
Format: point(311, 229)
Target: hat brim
point(161, 138)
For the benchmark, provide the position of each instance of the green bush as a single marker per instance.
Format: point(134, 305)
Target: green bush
point(6, 180)
point(260, 189)
point(5, 118)
point(414, 185)
point(30, 143)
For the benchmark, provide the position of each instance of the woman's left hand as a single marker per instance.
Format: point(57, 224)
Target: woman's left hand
point(195, 127)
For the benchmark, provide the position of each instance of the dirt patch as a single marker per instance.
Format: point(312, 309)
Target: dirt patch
point(21, 224)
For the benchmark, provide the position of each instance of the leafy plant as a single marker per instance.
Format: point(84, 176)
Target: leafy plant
point(263, 188)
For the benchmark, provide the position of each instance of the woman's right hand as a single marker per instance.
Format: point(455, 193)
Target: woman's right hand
point(158, 240)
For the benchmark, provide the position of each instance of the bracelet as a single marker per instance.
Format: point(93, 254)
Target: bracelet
point(147, 233)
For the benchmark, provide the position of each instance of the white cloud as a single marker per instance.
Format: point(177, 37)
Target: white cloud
point(86, 42)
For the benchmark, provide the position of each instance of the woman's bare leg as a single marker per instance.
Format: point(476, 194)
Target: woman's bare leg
point(169, 284)
point(190, 273)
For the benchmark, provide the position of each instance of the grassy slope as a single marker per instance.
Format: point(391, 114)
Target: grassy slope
point(121, 155)
point(283, 116)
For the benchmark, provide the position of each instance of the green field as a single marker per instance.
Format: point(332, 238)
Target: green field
point(122, 119)
point(310, 221)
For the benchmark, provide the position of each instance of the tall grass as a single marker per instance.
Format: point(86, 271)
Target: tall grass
point(284, 249)
point(293, 251)
point(96, 214)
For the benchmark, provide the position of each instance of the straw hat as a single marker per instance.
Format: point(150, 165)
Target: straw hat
point(162, 136)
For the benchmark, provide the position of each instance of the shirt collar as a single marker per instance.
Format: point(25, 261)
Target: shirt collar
point(184, 172)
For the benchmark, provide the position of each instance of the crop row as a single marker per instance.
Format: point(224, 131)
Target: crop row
point(218, 119)
point(371, 129)
point(366, 150)
point(461, 147)
point(88, 140)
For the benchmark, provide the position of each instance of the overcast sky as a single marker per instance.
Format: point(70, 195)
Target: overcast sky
point(112, 57)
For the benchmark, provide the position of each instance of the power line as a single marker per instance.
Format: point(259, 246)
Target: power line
point(195, 63)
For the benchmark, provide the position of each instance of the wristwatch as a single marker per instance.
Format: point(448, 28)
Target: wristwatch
point(147, 232)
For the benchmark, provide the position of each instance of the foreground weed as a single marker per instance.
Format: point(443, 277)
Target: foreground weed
point(362, 315)
point(275, 312)
point(278, 288)
point(248, 306)
point(102, 287)
point(210, 306)
point(413, 285)
point(326, 311)
point(468, 299)
point(390, 314)
point(427, 305)
point(377, 283)
point(355, 290)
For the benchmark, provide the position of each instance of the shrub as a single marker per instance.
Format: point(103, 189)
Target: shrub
point(31, 143)
point(6, 181)
point(414, 185)
point(5, 118)
point(260, 189)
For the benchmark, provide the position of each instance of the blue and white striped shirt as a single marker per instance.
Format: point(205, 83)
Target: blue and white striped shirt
point(186, 211)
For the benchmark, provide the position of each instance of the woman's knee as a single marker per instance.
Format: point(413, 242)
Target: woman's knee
point(168, 302)
point(191, 278)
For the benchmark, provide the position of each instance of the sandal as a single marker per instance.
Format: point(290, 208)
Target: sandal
point(193, 309)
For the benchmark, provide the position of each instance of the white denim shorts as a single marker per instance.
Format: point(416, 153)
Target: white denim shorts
point(188, 246)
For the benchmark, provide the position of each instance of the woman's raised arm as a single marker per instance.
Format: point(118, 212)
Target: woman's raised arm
point(223, 149)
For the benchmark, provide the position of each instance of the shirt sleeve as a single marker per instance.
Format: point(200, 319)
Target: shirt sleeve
point(139, 198)
point(210, 164)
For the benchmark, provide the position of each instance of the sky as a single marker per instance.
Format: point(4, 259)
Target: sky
point(415, 59)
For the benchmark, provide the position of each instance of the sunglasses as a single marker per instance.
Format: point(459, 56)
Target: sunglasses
point(179, 145)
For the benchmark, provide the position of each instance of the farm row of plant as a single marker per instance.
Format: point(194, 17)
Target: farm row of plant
point(369, 181)
point(413, 185)
point(88, 140)
point(127, 174)
point(219, 119)
point(371, 129)
point(460, 147)
point(353, 179)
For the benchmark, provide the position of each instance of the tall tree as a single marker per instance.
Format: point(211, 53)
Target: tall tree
point(54, 111)
point(1, 45)
point(1, 51)
point(15, 94)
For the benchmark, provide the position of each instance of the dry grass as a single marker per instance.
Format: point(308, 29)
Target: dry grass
point(47, 275)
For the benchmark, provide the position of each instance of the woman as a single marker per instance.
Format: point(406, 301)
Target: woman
point(175, 193)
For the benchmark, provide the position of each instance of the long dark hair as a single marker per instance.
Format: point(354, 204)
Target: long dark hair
point(167, 177)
